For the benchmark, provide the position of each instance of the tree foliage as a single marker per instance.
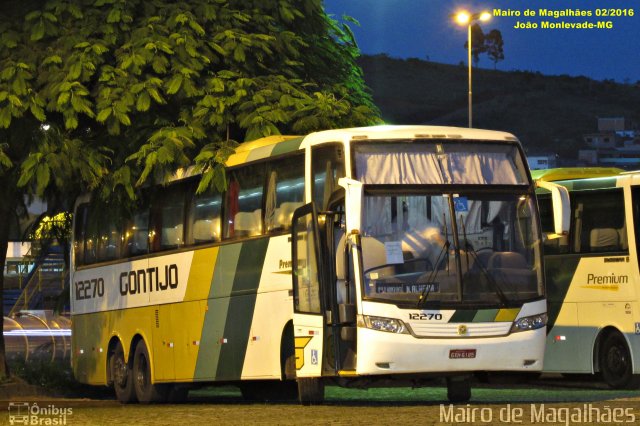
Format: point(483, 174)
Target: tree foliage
point(492, 44)
point(158, 82)
point(106, 95)
point(495, 46)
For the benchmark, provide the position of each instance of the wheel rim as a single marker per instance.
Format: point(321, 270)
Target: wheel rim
point(141, 373)
point(617, 361)
point(120, 372)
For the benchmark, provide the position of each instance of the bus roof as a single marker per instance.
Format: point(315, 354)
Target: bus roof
point(278, 144)
point(264, 147)
point(572, 173)
point(406, 132)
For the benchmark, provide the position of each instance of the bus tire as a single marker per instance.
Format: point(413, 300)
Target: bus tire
point(458, 389)
point(145, 390)
point(310, 391)
point(122, 376)
point(615, 363)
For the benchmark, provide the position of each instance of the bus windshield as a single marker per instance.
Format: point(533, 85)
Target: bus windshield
point(439, 162)
point(479, 247)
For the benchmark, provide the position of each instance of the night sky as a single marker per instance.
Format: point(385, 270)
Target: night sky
point(424, 28)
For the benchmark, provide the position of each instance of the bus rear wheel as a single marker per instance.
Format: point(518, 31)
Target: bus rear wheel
point(458, 389)
point(145, 390)
point(122, 376)
point(615, 363)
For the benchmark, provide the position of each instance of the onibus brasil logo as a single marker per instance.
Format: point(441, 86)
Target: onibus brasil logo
point(25, 413)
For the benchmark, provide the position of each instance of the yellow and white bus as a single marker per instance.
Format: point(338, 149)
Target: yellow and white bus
point(592, 276)
point(416, 255)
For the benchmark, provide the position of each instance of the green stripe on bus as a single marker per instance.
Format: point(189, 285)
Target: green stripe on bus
point(559, 271)
point(250, 265)
point(599, 183)
point(259, 153)
point(485, 315)
point(463, 315)
point(288, 146)
point(212, 339)
point(213, 327)
point(241, 309)
point(225, 271)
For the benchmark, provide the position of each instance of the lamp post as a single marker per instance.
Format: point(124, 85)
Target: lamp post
point(466, 18)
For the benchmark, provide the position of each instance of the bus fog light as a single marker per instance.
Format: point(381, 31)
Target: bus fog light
point(533, 322)
point(390, 325)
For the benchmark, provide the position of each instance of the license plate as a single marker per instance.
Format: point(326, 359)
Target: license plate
point(462, 353)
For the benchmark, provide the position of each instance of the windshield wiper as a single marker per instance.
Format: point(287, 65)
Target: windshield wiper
point(494, 284)
point(469, 248)
point(432, 276)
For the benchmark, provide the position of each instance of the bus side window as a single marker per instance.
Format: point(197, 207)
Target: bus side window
point(599, 221)
point(136, 235)
point(98, 237)
point(243, 203)
point(91, 236)
point(285, 193)
point(635, 206)
point(327, 166)
point(167, 231)
point(79, 233)
point(205, 211)
point(557, 244)
point(109, 242)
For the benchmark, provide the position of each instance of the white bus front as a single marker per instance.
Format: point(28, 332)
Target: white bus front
point(428, 264)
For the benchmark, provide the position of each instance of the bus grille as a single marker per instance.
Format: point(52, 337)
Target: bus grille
point(485, 329)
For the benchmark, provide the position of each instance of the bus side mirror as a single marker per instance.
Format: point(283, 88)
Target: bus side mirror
point(353, 202)
point(560, 204)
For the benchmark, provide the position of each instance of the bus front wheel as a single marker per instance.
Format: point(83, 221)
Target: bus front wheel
point(145, 390)
point(615, 363)
point(122, 376)
point(458, 389)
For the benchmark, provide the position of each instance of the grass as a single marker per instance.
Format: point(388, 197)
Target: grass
point(55, 379)
point(43, 373)
point(555, 391)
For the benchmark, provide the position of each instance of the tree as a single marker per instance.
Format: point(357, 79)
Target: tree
point(478, 45)
point(104, 95)
point(494, 46)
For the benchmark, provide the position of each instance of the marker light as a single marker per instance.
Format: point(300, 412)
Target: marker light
point(533, 322)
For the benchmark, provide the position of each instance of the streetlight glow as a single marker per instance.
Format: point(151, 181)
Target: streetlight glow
point(462, 17)
point(465, 18)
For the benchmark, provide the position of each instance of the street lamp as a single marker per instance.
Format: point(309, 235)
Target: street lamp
point(466, 18)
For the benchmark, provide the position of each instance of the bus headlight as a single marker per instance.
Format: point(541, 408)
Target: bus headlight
point(533, 322)
point(390, 325)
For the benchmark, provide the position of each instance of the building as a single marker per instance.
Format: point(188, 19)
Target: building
point(616, 144)
point(540, 162)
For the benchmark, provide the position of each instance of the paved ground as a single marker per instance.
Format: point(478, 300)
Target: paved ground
point(548, 401)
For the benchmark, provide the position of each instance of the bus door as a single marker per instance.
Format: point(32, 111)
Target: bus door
point(309, 317)
point(341, 297)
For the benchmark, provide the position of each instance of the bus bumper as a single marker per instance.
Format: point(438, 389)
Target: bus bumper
point(389, 353)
